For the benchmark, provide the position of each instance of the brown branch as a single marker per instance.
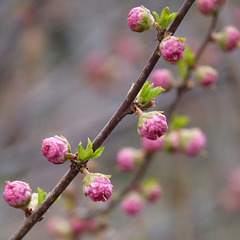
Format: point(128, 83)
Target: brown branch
point(102, 136)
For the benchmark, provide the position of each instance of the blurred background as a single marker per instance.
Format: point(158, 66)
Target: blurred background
point(65, 67)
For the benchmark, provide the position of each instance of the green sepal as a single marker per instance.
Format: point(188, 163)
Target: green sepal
point(85, 155)
point(166, 18)
point(178, 122)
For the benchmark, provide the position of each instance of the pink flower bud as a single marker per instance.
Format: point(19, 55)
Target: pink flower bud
point(229, 38)
point(153, 145)
point(56, 149)
point(162, 78)
point(97, 186)
point(192, 141)
point(151, 190)
point(132, 204)
point(128, 158)
point(208, 7)
point(206, 75)
point(172, 141)
point(140, 19)
point(17, 194)
point(172, 48)
point(152, 125)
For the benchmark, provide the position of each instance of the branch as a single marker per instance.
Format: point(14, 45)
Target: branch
point(183, 87)
point(102, 136)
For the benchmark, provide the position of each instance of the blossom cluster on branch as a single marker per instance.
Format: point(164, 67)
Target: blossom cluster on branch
point(158, 131)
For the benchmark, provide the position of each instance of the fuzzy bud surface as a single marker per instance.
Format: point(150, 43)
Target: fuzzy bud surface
point(17, 194)
point(140, 19)
point(172, 48)
point(152, 125)
point(97, 186)
point(56, 149)
point(162, 78)
point(229, 38)
point(132, 204)
point(206, 75)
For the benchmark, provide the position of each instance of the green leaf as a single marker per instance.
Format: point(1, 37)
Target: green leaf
point(172, 16)
point(41, 196)
point(85, 155)
point(98, 152)
point(189, 56)
point(178, 121)
point(182, 68)
point(156, 17)
point(164, 21)
point(81, 151)
point(153, 93)
point(89, 149)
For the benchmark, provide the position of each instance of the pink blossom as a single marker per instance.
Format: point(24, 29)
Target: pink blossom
point(153, 145)
point(206, 6)
point(209, 6)
point(229, 38)
point(126, 159)
point(162, 78)
point(97, 186)
point(206, 75)
point(192, 141)
point(172, 141)
point(17, 194)
point(56, 149)
point(151, 189)
point(152, 125)
point(172, 48)
point(140, 19)
point(132, 204)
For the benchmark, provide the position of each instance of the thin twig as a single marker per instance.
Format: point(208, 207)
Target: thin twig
point(183, 87)
point(102, 136)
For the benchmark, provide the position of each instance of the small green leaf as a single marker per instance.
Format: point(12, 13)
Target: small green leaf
point(178, 121)
point(81, 151)
point(189, 56)
point(98, 152)
point(41, 196)
point(156, 17)
point(182, 68)
point(89, 149)
point(153, 93)
point(172, 16)
point(164, 21)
